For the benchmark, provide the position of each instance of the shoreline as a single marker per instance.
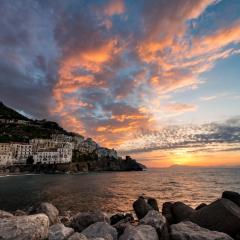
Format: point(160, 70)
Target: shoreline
point(173, 221)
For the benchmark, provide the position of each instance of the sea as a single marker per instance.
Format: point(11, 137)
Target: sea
point(116, 191)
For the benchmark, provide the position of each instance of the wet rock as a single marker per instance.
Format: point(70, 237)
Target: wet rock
point(165, 233)
point(59, 232)
point(181, 211)
point(84, 219)
point(233, 196)
point(141, 207)
point(153, 203)
point(50, 210)
point(120, 226)
point(120, 216)
point(154, 219)
point(66, 221)
point(101, 230)
point(237, 237)
point(222, 215)
point(167, 212)
point(32, 227)
point(77, 236)
point(4, 214)
point(140, 232)
point(190, 231)
point(116, 218)
point(201, 206)
point(20, 213)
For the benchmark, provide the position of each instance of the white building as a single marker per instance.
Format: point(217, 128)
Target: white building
point(21, 152)
point(5, 147)
point(52, 156)
point(46, 156)
point(87, 146)
point(61, 138)
point(6, 154)
point(105, 152)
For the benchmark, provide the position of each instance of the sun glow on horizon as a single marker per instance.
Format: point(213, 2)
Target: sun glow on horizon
point(164, 158)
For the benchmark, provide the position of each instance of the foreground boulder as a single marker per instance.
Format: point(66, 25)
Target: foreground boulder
point(32, 227)
point(4, 214)
point(190, 231)
point(59, 232)
point(222, 215)
point(167, 212)
point(100, 230)
point(50, 210)
point(153, 203)
point(121, 221)
point(20, 213)
point(84, 219)
point(121, 217)
point(154, 219)
point(77, 236)
point(201, 206)
point(237, 237)
point(140, 232)
point(141, 207)
point(181, 211)
point(233, 196)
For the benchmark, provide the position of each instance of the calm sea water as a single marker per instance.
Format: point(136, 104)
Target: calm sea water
point(116, 191)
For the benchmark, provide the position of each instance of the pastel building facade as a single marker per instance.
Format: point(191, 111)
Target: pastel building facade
point(58, 149)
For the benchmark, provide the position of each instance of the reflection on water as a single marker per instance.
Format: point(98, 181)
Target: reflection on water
point(115, 191)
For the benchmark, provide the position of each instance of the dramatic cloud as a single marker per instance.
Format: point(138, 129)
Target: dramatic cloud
point(108, 68)
point(207, 137)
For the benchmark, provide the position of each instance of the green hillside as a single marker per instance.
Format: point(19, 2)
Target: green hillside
point(8, 113)
point(18, 132)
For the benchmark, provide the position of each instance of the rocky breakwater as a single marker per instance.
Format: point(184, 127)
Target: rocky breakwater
point(219, 220)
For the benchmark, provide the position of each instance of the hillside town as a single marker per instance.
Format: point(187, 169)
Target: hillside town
point(58, 149)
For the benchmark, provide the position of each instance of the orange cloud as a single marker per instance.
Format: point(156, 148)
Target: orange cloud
point(217, 40)
point(114, 7)
point(180, 107)
point(91, 60)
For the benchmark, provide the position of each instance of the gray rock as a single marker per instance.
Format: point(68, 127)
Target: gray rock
point(97, 239)
point(201, 206)
point(116, 218)
point(140, 232)
point(101, 230)
point(222, 215)
point(237, 237)
point(84, 219)
point(153, 203)
point(77, 236)
point(59, 232)
point(32, 227)
point(167, 212)
point(181, 211)
point(190, 231)
point(154, 219)
point(141, 207)
point(4, 214)
point(120, 226)
point(50, 210)
point(66, 221)
point(20, 213)
point(233, 196)
point(121, 217)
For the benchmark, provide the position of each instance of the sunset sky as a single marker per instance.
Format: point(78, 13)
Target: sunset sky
point(156, 79)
